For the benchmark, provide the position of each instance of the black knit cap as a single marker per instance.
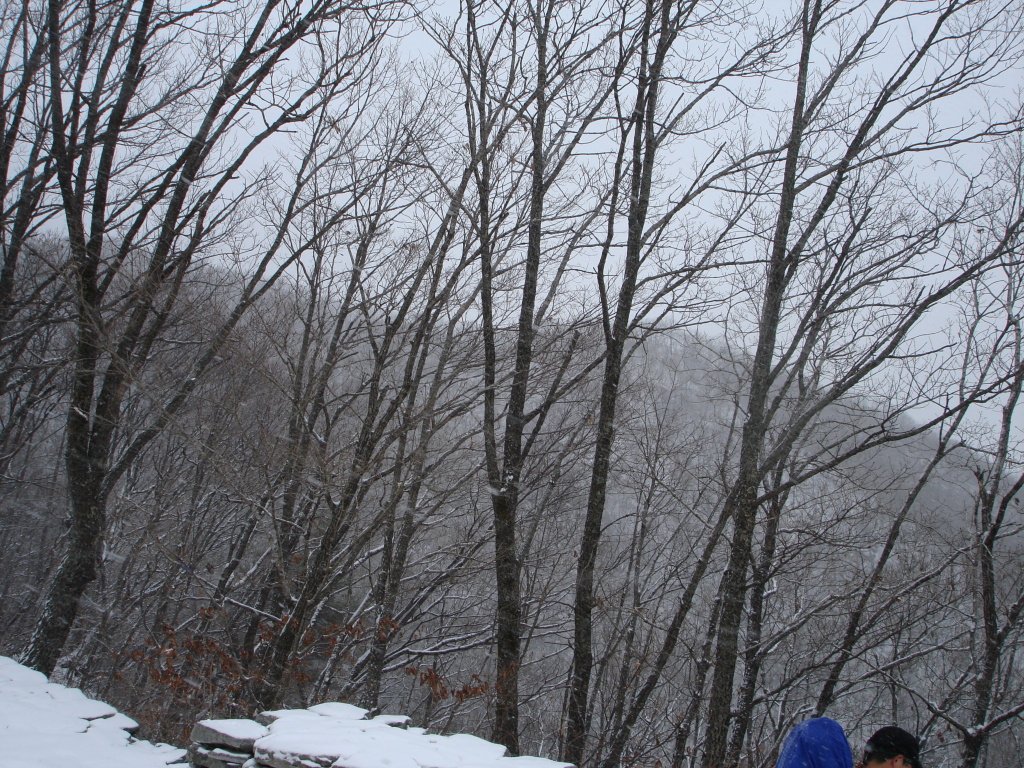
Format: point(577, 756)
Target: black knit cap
point(890, 741)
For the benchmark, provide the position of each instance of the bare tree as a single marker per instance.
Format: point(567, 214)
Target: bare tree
point(807, 228)
point(669, 101)
point(555, 101)
point(141, 104)
point(979, 701)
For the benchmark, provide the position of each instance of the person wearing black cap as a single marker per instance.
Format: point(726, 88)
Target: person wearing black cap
point(891, 747)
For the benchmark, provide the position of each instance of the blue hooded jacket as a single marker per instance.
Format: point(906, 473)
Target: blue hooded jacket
point(817, 743)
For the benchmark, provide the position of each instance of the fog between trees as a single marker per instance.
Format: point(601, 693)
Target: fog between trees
point(624, 382)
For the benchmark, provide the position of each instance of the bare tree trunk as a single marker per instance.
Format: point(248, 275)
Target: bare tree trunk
point(160, 225)
point(641, 165)
point(994, 499)
point(767, 367)
point(644, 133)
point(88, 439)
point(754, 653)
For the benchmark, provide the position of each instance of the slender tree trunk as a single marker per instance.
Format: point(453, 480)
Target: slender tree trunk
point(754, 654)
point(657, 33)
point(505, 475)
point(992, 506)
point(742, 503)
point(688, 721)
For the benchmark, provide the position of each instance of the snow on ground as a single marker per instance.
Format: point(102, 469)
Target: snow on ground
point(44, 725)
point(340, 735)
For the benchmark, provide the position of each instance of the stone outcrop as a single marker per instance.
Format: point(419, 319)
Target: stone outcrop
point(338, 735)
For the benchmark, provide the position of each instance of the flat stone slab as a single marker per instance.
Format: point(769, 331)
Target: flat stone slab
point(273, 715)
point(304, 742)
point(339, 710)
point(116, 720)
point(234, 734)
point(395, 721)
point(217, 757)
point(337, 735)
point(279, 760)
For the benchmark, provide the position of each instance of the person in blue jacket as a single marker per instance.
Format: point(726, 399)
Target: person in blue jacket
point(816, 743)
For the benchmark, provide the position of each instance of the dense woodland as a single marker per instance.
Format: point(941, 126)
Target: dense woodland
point(621, 380)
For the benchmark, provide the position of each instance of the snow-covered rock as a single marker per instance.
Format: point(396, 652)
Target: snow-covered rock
point(217, 757)
point(338, 735)
point(43, 725)
point(234, 734)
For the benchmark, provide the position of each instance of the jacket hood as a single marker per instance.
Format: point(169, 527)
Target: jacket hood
point(817, 743)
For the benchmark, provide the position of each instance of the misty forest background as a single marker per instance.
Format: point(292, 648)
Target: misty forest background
point(623, 381)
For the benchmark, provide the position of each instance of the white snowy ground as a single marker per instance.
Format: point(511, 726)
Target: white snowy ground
point(44, 725)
